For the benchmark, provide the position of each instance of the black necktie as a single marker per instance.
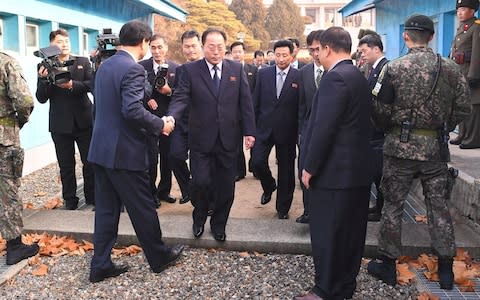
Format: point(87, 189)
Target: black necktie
point(216, 79)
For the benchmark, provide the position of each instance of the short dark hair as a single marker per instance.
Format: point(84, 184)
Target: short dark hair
point(337, 38)
point(59, 31)
point(158, 36)
point(310, 37)
point(418, 36)
point(258, 53)
point(372, 40)
point(237, 43)
point(283, 43)
point(269, 51)
point(295, 41)
point(189, 34)
point(228, 52)
point(316, 36)
point(134, 33)
point(213, 30)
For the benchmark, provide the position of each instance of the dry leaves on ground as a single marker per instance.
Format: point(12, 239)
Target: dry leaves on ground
point(427, 296)
point(53, 203)
point(3, 246)
point(421, 219)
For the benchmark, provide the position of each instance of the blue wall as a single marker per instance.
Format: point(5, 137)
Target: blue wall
point(391, 14)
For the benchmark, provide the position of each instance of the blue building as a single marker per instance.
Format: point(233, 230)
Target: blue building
point(25, 28)
point(391, 14)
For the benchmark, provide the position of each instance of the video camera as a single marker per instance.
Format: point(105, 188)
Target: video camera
point(55, 68)
point(161, 78)
point(106, 43)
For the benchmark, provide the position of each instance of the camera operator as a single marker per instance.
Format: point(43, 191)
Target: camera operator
point(161, 77)
point(70, 118)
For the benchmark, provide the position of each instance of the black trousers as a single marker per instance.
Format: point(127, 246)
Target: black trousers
point(160, 146)
point(213, 175)
point(178, 159)
point(113, 189)
point(286, 170)
point(338, 225)
point(65, 150)
point(241, 168)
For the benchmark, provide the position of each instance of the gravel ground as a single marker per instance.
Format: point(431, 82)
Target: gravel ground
point(199, 274)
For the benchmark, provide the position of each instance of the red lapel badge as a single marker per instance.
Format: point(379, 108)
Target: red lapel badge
point(233, 78)
point(294, 85)
point(465, 28)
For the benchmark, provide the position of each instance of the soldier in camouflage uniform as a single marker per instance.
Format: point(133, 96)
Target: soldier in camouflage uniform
point(466, 53)
point(419, 98)
point(16, 104)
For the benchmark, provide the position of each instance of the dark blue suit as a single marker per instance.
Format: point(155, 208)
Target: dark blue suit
point(215, 124)
point(119, 153)
point(337, 153)
point(277, 125)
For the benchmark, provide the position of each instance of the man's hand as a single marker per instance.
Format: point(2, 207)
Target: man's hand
point(66, 85)
point(249, 141)
point(306, 178)
point(42, 72)
point(165, 90)
point(168, 125)
point(152, 104)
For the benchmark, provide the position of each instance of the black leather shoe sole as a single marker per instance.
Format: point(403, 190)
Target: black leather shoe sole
point(184, 200)
point(303, 219)
point(173, 256)
point(97, 276)
point(455, 142)
point(197, 231)
point(374, 217)
point(463, 146)
point(167, 198)
point(283, 216)
point(220, 237)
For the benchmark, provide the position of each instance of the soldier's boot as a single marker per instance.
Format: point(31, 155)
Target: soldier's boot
point(18, 251)
point(383, 268)
point(445, 272)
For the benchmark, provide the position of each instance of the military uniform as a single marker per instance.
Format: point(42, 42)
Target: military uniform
point(466, 53)
point(404, 85)
point(16, 104)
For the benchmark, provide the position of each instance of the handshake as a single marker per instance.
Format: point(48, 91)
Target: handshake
point(168, 125)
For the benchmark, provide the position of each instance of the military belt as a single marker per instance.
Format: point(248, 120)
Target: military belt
point(8, 121)
point(418, 131)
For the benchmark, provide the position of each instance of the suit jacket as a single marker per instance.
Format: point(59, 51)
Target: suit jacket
point(377, 137)
point(307, 91)
point(251, 72)
point(162, 100)
point(277, 116)
point(338, 153)
point(213, 116)
point(119, 139)
point(69, 108)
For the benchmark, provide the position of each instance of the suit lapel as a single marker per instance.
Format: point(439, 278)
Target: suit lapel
point(207, 77)
point(286, 84)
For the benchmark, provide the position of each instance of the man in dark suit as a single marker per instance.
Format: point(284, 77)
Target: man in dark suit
point(218, 97)
point(119, 155)
point(310, 76)
point(157, 104)
point(70, 119)
point(335, 165)
point(276, 112)
point(259, 59)
point(371, 49)
point(296, 48)
point(238, 54)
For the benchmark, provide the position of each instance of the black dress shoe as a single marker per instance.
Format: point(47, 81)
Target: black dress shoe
point(114, 271)
point(239, 177)
point(267, 195)
point(184, 199)
point(172, 256)
point(71, 204)
point(372, 209)
point(465, 146)
point(197, 230)
point(302, 219)
point(210, 212)
point(374, 217)
point(455, 141)
point(167, 198)
point(283, 216)
point(221, 237)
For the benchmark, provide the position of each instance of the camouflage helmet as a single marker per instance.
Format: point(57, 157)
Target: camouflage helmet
point(419, 22)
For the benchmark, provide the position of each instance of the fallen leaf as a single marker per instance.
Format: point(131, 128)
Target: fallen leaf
point(404, 275)
point(39, 194)
point(257, 254)
point(212, 250)
point(421, 219)
point(427, 296)
point(429, 262)
point(463, 255)
point(53, 203)
point(35, 260)
point(87, 246)
point(28, 205)
point(41, 271)
point(244, 254)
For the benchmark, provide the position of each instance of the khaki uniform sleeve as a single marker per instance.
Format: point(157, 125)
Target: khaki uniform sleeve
point(474, 70)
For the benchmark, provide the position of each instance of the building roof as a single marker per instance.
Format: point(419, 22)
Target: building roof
point(357, 6)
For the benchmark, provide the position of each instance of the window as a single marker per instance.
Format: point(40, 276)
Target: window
point(329, 17)
point(312, 13)
point(85, 44)
point(31, 36)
